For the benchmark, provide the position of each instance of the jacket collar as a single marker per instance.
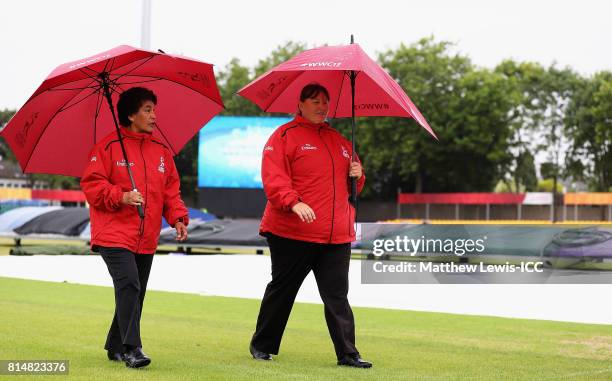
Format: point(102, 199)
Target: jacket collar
point(306, 123)
point(125, 133)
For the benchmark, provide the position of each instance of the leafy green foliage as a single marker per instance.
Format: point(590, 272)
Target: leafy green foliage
point(5, 152)
point(589, 125)
point(466, 106)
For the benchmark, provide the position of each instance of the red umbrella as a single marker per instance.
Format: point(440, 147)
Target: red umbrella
point(357, 86)
point(73, 108)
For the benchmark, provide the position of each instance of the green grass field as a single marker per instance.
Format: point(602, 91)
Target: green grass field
point(206, 338)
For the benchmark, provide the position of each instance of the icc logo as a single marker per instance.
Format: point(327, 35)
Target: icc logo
point(162, 166)
point(532, 267)
point(345, 153)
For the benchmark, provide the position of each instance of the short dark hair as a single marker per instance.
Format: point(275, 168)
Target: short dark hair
point(312, 90)
point(130, 102)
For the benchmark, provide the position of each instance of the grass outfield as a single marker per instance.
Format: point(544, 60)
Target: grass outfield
point(197, 337)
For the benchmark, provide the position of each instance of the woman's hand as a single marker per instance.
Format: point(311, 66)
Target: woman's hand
point(181, 231)
point(132, 198)
point(304, 211)
point(355, 170)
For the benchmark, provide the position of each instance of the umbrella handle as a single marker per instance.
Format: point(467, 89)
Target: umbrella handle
point(138, 207)
point(140, 211)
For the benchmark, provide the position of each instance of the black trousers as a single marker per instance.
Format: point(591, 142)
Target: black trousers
point(130, 273)
point(292, 260)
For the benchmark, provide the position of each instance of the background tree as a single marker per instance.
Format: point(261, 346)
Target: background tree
point(525, 173)
point(559, 87)
point(588, 125)
point(5, 152)
point(468, 109)
point(526, 81)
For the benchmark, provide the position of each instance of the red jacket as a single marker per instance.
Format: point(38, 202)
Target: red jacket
point(308, 162)
point(114, 224)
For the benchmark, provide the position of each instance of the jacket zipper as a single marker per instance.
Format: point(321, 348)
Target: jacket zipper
point(144, 209)
point(354, 210)
point(331, 232)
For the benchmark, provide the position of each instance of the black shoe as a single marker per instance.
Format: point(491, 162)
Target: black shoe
point(114, 356)
point(354, 360)
point(259, 355)
point(135, 358)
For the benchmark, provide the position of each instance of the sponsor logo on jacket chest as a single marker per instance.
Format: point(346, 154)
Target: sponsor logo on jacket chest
point(121, 163)
point(308, 147)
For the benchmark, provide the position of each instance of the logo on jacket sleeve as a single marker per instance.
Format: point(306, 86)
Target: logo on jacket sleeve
point(268, 148)
point(93, 158)
point(308, 147)
point(162, 165)
point(345, 153)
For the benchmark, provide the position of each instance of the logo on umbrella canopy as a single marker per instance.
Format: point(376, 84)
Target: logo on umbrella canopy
point(321, 64)
point(372, 106)
point(21, 136)
point(89, 61)
point(196, 77)
point(265, 93)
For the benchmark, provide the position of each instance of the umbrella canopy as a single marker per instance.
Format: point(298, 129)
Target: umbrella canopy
point(57, 127)
point(357, 86)
point(376, 93)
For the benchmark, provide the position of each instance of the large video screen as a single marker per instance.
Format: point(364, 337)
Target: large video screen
point(229, 154)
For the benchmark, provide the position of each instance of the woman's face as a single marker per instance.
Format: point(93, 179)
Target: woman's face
point(144, 119)
point(315, 109)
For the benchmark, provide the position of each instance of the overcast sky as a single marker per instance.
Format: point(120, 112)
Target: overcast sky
point(36, 36)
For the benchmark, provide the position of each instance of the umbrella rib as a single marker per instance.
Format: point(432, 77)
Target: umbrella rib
point(98, 106)
point(128, 63)
point(138, 82)
point(65, 107)
point(147, 59)
point(89, 75)
point(339, 93)
point(110, 61)
point(167, 141)
point(280, 92)
point(95, 73)
point(114, 86)
point(73, 88)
